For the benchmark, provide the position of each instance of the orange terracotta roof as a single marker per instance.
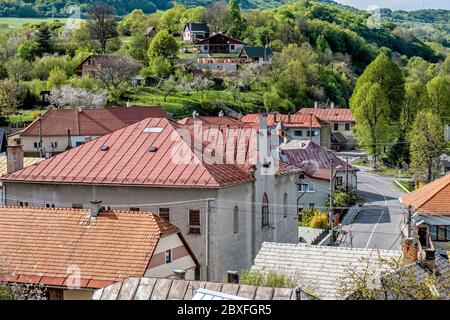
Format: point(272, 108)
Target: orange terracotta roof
point(40, 245)
point(90, 122)
point(329, 114)
point(124, 158)
point(211, 120)
point(431, 199)
point(294, 120)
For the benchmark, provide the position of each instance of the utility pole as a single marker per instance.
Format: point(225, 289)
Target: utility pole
point(409, 221)
point(310, 126)
point(40, 136)
point(346, 174)
point(331, 198)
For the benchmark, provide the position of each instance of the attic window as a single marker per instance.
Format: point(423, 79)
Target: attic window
point(104, 148)
point(152, 149)
point(153, 130)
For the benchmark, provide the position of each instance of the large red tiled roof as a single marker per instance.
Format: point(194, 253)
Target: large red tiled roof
point(329, 114)
point(294, 120)
point(44, 246)
point(126, 158)
point(90, 122)
point(314, 160)
point(211, 120)
point(432, 199)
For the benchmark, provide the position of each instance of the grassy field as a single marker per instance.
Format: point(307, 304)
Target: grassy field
point(16, 23)
point(183, 103)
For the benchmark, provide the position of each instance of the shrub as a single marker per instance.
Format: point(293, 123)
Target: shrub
point(266, 279)
point(314, 218)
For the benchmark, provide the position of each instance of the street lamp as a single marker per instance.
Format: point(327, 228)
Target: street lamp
point(333, 174)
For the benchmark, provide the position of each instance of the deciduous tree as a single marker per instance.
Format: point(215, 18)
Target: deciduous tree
point(164, 45)
point(427, 143)
point(102, 24)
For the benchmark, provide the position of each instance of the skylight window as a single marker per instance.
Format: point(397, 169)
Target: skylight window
point(153, 130)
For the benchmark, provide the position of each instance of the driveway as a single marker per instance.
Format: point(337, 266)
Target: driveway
point(379, 221)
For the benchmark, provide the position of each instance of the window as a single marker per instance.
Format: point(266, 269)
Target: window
point(306, 187)
point(205, 48)
point(105, 208)
point(78, 143)
point(37, 145)
point(302, 176)
point(347, 127)
point(164, 213)
point(54, 144)
point(232, 47)
point(77, 206)
point(23, 204)
point(194, 221)
point(336, 126)
point(339, 181)
point(311, 205)
point(265, 211)
point(168, 256)
point(440, 233)
point(135, 209)
point(49, 205)
point(298, 133)
point(236, 219)
point(285, 205)
point(308, 133)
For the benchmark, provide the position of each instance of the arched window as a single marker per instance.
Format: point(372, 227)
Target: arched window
point(285, 205)
point(265, 211)
point(236, 219)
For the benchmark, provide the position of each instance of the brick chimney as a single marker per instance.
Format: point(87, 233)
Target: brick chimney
point(179, 274)
point(95, 208)
point(410, 251)
point(14, 158)
point(233, 276)
point(430, 259)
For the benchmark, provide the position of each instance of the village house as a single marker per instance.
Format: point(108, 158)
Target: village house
point(341, 122)
point(145, 288)
point(430, 213)
point(225, 202)
point(261, 55)
point(61, 129)
point(323, 271)
point(219, 43)
point(296, 126)
point(72, 252)
point(211, 120)
point(150, 32)
point(316, 163)
point(195, 31)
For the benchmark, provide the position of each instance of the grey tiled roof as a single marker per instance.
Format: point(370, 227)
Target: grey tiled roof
point(319, 269)
point(136, 288)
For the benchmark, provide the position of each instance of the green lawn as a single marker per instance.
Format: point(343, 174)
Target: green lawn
point(15, 23)
point(183, 103)
point(408, 185)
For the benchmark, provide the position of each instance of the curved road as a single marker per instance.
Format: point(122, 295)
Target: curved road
point(379, 220)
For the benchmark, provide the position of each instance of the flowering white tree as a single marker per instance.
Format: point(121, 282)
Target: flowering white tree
point(68, 97)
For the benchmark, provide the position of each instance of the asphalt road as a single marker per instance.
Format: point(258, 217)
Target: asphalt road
point(379, 221)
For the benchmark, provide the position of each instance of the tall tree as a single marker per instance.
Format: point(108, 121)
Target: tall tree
point(9, 96)
point(389, 76)
point(427, 143)
point(102, 24)
point(163, 44)
point(374, 128)
point(44, 43)
point(237, 22)
point(439, 93)
point(216, 16)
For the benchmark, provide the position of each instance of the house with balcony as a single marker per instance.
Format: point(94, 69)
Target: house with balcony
point(341, 123)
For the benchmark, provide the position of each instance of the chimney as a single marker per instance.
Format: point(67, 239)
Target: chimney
point(430, 259)
point(289, 118)
point(410, 251)
point(316, 104)
point(220, 113)
point(129, 104)
point(274, 117)
point(80, 109)
point(332, 105)
point(233, 276)
point(14, 158)
point(179, 274)
point(95, 208)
